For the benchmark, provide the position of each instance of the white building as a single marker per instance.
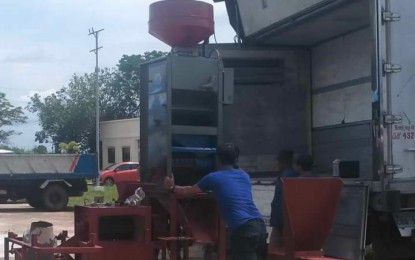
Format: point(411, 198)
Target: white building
point(120, 141)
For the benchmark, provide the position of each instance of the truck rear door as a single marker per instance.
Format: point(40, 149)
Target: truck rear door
point(396, 62)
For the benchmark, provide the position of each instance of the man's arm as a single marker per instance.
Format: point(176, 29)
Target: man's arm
point(186, 191)
point(182, 191)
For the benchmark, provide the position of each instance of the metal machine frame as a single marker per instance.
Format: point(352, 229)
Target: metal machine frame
point(84, 249)
point(197, 82)
point(179, 222)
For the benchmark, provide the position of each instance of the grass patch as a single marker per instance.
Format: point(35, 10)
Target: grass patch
point(110, 194)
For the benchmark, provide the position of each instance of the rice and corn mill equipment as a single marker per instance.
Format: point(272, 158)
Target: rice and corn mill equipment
point(180, 127)
point(179, 133)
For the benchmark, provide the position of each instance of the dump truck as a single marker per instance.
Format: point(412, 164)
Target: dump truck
point(333, 78)
point(46, 181)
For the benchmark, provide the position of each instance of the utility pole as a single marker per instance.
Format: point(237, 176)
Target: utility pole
point(96, 50)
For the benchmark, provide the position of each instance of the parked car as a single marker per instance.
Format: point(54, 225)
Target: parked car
point(124, 171)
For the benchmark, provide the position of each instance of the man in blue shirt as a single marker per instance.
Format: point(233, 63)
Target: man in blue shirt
point(233, 193)
point(303, 164)
point(285, 169)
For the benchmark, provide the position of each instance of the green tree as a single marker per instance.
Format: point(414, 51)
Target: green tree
point(40, 149)
point(120, 98)
point(71, 147)
point(130, 64)
point(9, 115)
point(69, 114)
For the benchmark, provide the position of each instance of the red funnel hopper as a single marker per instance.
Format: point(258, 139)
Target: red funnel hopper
point(181, 23)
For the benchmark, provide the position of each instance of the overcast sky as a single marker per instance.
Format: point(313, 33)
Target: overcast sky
point(44, 42)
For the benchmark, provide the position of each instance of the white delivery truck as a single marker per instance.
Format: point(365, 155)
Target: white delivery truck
point(358, 77)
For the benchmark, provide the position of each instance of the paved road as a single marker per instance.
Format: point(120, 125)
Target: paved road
point(17, 218)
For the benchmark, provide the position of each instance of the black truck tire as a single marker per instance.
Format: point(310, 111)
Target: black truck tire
point(55, 197)
point(387, 243)
point(109, 181)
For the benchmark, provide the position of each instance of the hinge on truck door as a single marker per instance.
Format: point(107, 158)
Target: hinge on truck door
point(392, 119)
point(390, 16)
point(391, 68)
point(393, 169)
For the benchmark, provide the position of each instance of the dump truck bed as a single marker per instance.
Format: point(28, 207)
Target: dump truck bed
point(75, 165)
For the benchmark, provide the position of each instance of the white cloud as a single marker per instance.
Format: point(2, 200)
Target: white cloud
point(42, 94)
point(36, 55)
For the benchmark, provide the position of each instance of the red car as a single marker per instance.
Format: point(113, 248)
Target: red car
point(124, 171)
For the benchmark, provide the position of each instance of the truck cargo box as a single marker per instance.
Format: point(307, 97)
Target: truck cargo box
point(32, 166)
point(300, 22)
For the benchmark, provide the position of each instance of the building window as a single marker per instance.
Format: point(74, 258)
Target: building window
point(111, 154)
point(126, 154)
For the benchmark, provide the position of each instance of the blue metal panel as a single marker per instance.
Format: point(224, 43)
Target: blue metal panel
point(157, 117)
point(196, 141)
point(193, 150)
point(87, 166)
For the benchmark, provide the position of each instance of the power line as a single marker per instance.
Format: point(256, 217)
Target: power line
point(96, 51)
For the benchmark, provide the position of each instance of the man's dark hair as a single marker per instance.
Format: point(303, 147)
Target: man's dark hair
point(305, 161)
point(286, 157)
point(228, 154)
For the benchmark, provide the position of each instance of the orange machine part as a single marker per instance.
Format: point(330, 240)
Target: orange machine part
point(310, 206)
point(181, 23)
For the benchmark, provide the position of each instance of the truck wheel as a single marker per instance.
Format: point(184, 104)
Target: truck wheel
point(109, 181)
point(35, 203)
point(387, 242)
point(55, 197)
